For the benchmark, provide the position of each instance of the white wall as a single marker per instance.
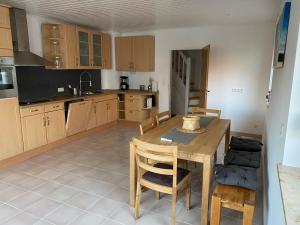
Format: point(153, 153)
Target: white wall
point(282, 120)
point(240, 58)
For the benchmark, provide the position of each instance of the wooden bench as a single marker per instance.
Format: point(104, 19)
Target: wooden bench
point(232, 197)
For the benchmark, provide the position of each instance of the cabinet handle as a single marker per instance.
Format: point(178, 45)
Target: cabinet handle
point(77, 63)
point(33, 110)
point(82, 103)
point(48, 121)
point(95, 109)
point(44, 119)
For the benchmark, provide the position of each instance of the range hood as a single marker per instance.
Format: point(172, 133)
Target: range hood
point(22, 54)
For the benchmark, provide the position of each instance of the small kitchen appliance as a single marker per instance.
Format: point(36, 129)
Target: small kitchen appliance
point(124, 83)
point(8, 80)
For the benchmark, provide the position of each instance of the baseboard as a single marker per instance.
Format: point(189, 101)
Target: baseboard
point(37, 151)
point(237, 133)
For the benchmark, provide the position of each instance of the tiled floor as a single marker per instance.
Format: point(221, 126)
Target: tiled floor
point(86, 183)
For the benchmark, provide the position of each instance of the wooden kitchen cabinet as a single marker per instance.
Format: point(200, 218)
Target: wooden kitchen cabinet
point(6, 46)
point(59, 45)
point(101, 113)
point(56, 125)
point(78, 114)
point(83, 48)
point(92, 122)
point(96, 49)
point(34, 131)
point(106, 51)
point(112, 110)
point(11, 142)
point(135, 53)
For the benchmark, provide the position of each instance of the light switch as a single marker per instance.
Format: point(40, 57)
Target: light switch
point(61, 89)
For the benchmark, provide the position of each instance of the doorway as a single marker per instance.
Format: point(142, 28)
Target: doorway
point(189, 79)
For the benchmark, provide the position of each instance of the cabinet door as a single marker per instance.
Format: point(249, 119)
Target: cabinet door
point(11, 142)
point(34, 131)
point(5, 39)
point(56, 125)
point(84, 53)
point(112, 110)
point(93, 117)
point(123, 48)
point(101, 112)
point(106, 51)
point(143, 51)
point(4, 17)
point(70, 47)
point(77, 117)
point(96, 44)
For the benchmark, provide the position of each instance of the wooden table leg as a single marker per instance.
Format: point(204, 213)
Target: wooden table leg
point(227, 139)
point(132, 174)
point(207, 172)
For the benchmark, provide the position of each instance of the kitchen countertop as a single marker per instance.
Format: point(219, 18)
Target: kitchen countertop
point(289, 178)
point(76, 97)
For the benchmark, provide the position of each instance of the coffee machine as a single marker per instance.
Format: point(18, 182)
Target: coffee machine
point(124, 83)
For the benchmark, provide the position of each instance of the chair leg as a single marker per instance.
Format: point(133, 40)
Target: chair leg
point(248, 213)
point(137, 200)
point(174, 200)
point(188, 195)
point(215, 212)
point(157, 194)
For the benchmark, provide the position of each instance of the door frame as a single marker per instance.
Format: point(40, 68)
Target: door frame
point(204, 75)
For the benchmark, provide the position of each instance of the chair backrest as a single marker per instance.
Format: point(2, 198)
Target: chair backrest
point(146, 152)
point(206, 112)
point(163, 116)
point(147, 125)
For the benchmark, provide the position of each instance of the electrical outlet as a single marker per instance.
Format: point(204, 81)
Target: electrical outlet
point(61, 89)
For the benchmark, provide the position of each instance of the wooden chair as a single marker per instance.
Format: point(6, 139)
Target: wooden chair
point(206, 112)
point(163, 177)
point(232, 197)
point(147, 125)
point(162, 117)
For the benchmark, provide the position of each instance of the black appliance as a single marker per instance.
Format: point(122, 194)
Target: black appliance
point(8, 80)
point(124, 83)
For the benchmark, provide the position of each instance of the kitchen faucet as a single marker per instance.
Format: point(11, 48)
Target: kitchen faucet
point(84, 81)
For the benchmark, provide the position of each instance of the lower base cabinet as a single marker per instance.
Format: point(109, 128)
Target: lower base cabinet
point(11, 143)
point(56, 125)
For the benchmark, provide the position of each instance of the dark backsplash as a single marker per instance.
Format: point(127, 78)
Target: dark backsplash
point(38, 82)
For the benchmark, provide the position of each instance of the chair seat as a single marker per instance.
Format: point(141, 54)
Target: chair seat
point(165, 180)
point(244, 144)
point(242, 158)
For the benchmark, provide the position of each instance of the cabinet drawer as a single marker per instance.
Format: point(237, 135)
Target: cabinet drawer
point(136, 115)
point(54, 106)
point(133, 102)
point(32, 110)
point(104, 98)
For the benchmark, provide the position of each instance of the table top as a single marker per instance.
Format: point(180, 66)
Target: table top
point(289, 178)
point(204, 144)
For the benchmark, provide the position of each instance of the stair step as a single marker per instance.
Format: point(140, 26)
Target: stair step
point(194, 98)
point(194, 90)
point(197, 105)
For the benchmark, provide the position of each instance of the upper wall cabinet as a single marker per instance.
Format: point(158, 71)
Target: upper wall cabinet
point(73, 47)
point(59, 45)
point(6, 47)
point(135, 53)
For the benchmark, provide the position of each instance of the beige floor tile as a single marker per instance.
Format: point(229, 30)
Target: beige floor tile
point(83, 200)
point(42, 207)
point(88, 219)
point(63, 193)
point(22, 219)
point(47, 188)
point(64, 215)
point(43, 222)
point(105, 207)
point(124, 215)
point(7, 212)
point(120, 195)
point(25, 200)
point(10, 193)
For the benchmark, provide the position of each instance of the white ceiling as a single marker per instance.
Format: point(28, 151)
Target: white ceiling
point(129, 15)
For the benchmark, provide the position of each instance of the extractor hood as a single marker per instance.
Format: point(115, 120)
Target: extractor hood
point(22, 54)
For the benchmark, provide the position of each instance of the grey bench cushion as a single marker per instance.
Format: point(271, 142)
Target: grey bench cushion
point(245, 177)
point(242, 158)
point(245, 144)
point(165, 180)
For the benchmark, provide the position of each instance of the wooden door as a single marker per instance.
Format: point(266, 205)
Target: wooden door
point(143, 51)
point(112, 110)
point(70, 47)
point(34, 131)
point(106, 51)
point(56, 125)
point(4, 17)
point(96, 46)
point(83, 48)
point(123, 54)
point(11, 142)
point(204, 76)
point(101, 112)
point(6, 47)
point(92, 121)
point(77, 120)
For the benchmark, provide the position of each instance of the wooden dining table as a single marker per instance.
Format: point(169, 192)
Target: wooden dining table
point(201, 149)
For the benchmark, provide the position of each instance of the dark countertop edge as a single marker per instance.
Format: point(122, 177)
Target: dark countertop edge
point(75, 97)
